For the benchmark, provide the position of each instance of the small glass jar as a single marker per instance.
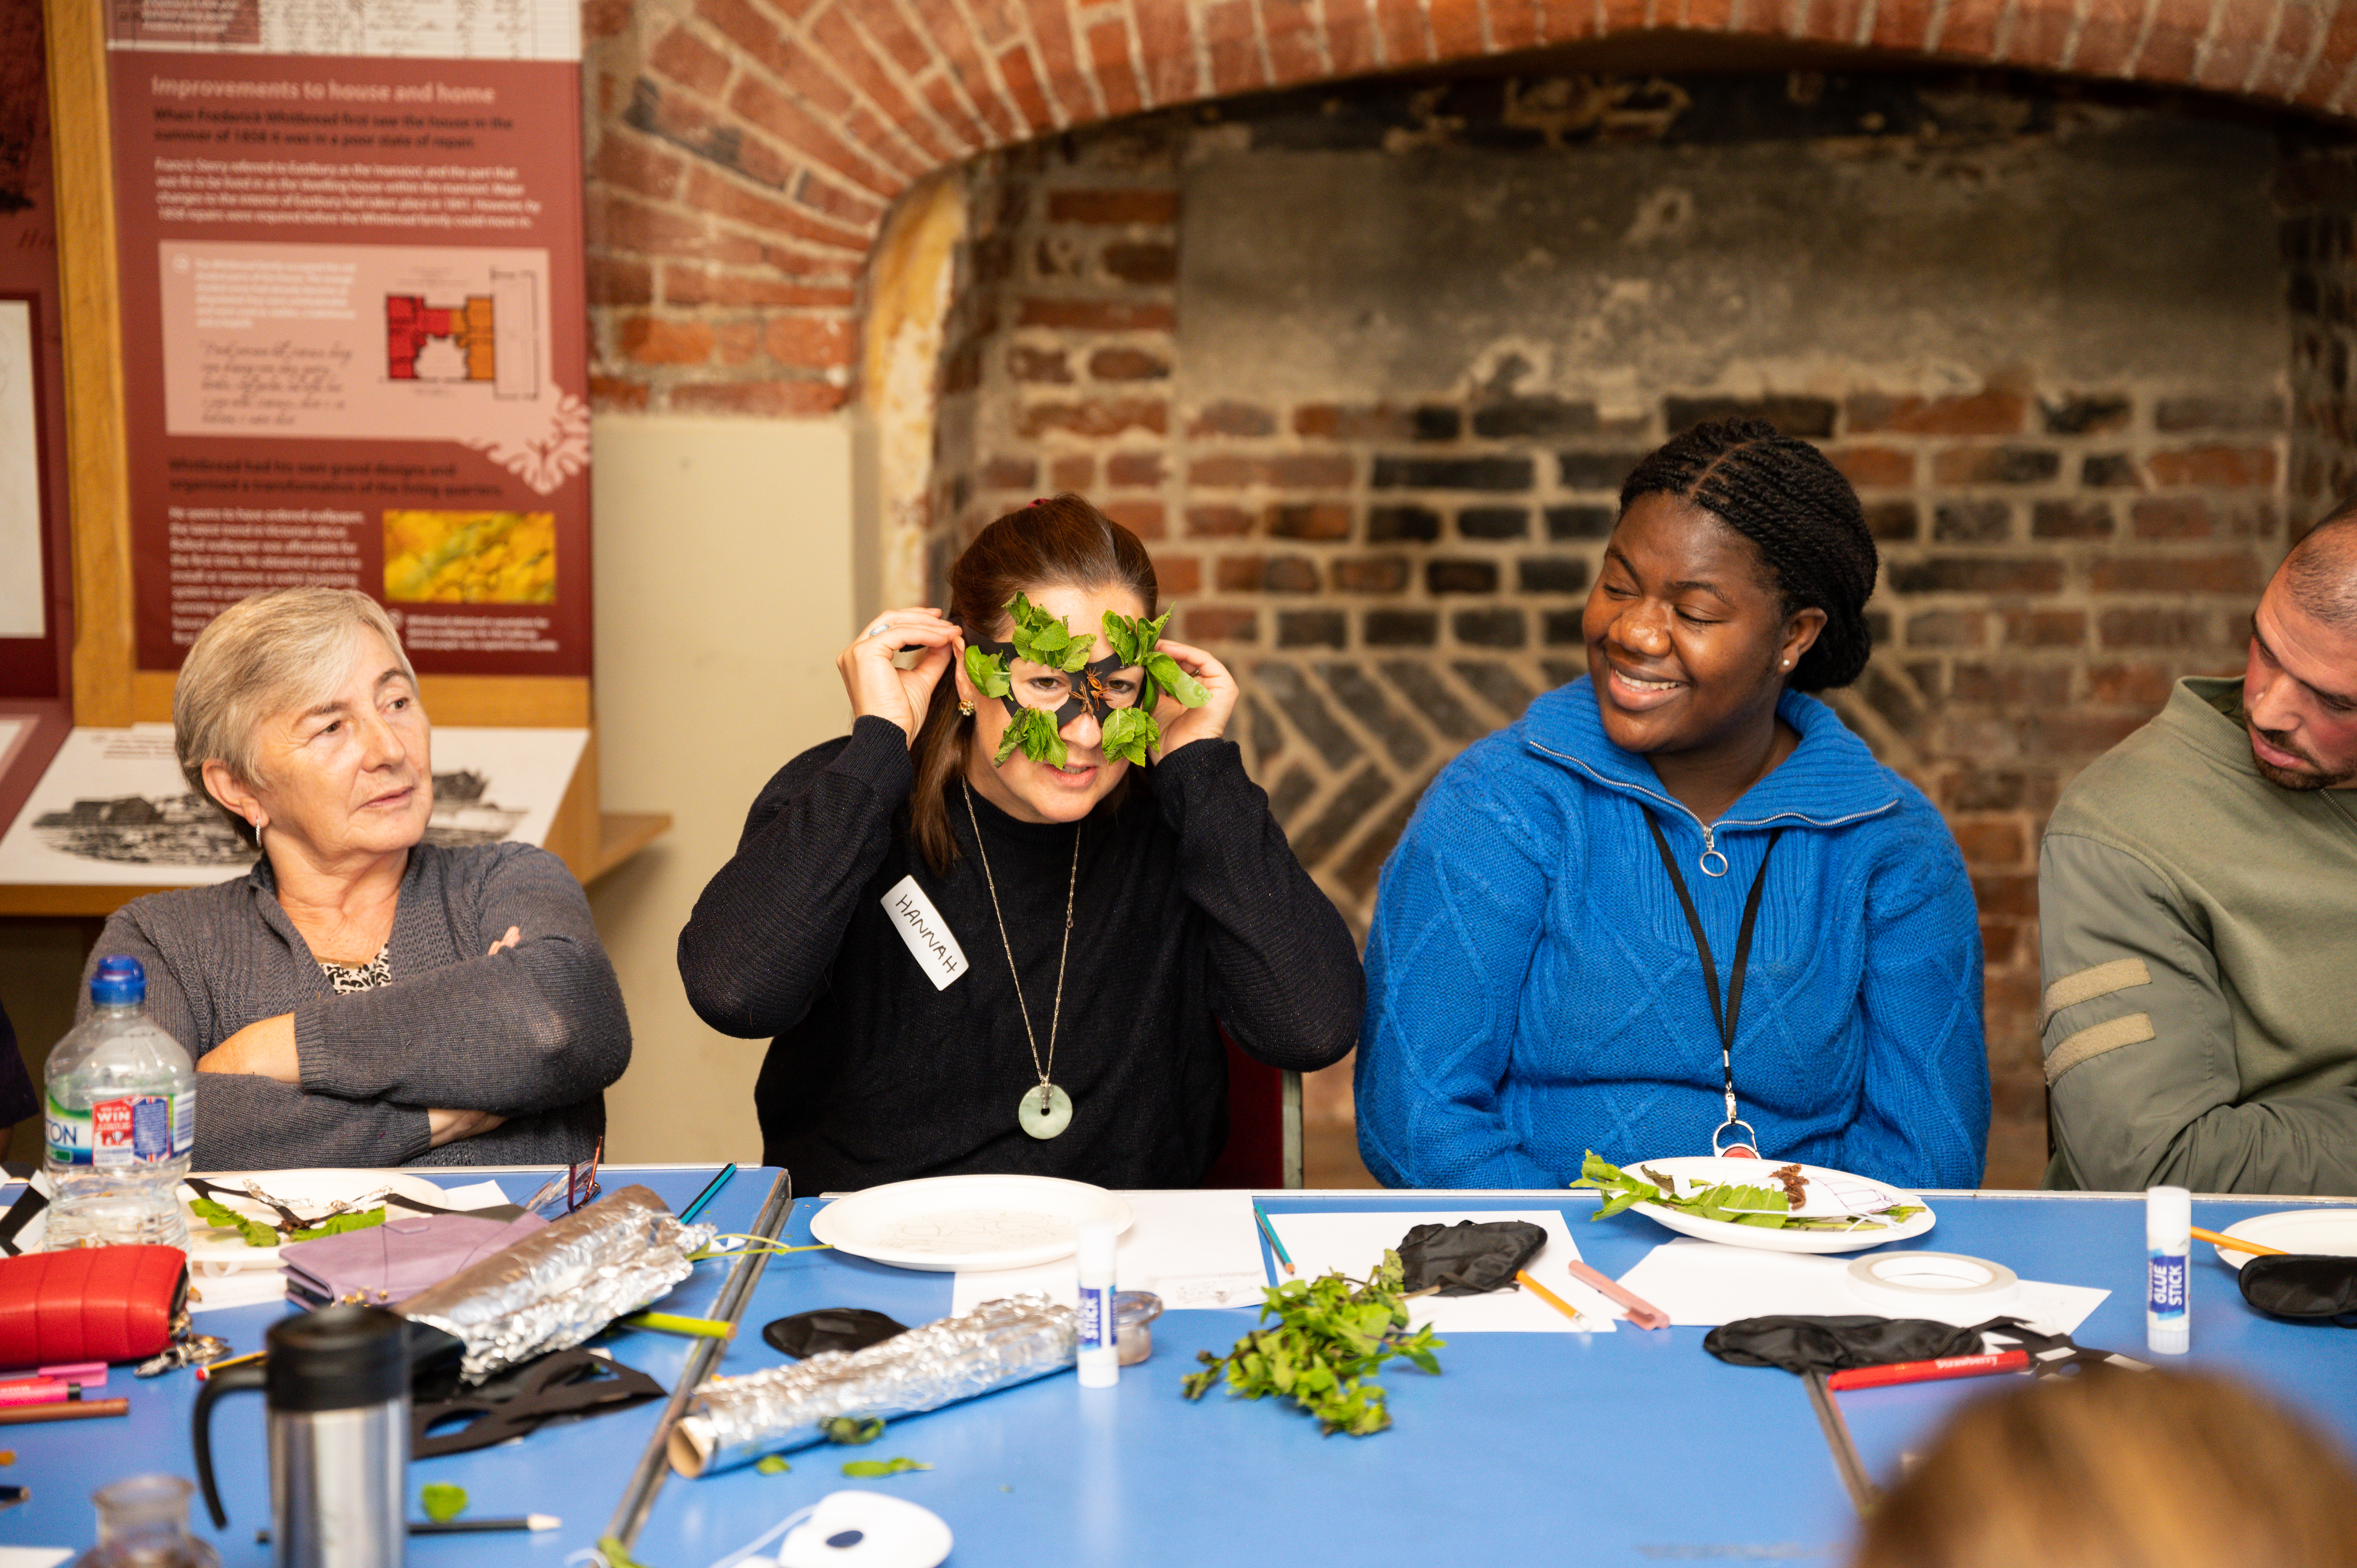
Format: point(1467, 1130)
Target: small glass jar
point(1134, 1311)
point(142, 1522)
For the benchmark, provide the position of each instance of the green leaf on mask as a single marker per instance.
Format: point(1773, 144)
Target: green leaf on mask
point(988, 672)
point(1035, 732)
point(1044, 639)
point(1176, 681)
point(1130, 734)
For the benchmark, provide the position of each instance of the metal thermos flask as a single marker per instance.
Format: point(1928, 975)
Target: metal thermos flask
point(336, 1381)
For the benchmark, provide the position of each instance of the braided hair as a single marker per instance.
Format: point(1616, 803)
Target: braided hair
point(1782, 494)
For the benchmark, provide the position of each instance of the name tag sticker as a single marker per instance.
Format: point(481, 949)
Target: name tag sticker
point(928, 935)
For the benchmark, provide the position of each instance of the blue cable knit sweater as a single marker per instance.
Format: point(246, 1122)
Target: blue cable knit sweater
point(1532, 989)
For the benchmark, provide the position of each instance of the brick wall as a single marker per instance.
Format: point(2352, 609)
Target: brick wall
point(1398, 573)
point(743, 152)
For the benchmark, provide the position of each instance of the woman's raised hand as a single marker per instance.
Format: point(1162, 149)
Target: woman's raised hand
point(881, 689)
point(1180, 724)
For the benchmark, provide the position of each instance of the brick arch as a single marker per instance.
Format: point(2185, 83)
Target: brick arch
point(745, 152)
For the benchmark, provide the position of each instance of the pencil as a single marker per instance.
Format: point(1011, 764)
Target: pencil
point(670, 1323)
point(2236, 1243)
point(711, 1191)
point(460, 1526)
point(68, 1410)
point(1547, 1295)
point(1270, 1231)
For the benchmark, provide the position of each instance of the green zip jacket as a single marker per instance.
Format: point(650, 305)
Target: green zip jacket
point(2198, 930)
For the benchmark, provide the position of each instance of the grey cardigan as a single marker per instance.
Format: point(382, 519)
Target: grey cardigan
point(533, 1033)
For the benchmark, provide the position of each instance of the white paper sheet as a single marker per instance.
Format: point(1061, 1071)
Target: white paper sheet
point(481, 1194)
point(34, 1556)
point(1706, 1284)
point(248, 1287)
point(1203, 1243)
point(1354, 1244)
point(113, 808)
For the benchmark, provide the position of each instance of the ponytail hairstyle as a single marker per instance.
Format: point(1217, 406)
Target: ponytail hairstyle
point(1782, 494)
point(1061, 541)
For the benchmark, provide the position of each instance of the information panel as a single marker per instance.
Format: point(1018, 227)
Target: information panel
point(353, 299)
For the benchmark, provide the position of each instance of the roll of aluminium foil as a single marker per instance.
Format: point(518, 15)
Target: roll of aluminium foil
point(563, 1283)
point(735, 1421)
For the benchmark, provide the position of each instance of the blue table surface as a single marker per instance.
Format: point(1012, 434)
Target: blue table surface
point(1528, 1447)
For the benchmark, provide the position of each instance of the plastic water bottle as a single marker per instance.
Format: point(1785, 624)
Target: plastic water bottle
point(122, 1121)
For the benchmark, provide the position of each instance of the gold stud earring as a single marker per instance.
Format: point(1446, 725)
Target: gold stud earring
point(965, 709)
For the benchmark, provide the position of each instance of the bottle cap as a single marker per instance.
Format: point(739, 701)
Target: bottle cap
point(118, 980)
point(1098, 1240)
point(2168, 1215)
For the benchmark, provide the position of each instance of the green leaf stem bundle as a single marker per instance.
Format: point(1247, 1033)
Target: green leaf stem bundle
point(1768, 1208)
point(1332, 1334)
point(259, 1234)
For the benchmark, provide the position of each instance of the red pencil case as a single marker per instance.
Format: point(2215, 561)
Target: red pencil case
point(90, 1304)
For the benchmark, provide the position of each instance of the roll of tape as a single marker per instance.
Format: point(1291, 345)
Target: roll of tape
point(1931, 1284)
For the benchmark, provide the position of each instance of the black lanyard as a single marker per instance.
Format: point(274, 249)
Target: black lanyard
point(1725, 1019)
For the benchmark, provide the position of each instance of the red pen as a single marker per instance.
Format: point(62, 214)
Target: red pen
point(1930, 1372)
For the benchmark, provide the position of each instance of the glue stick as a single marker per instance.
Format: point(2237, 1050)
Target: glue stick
point(2167, 1240)
point(1100, 1339)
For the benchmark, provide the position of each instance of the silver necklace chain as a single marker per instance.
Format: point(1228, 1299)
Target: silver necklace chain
point(1055, 1018)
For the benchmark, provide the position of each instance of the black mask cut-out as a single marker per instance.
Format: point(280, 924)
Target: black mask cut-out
point(563, 1383)
point(1088, 683)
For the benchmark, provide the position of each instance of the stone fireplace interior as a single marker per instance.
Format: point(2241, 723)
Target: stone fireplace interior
point(1365, 358)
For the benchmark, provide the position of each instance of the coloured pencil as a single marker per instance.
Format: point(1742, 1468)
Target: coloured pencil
point(535, 1521)
point(1547, 1295)
point(68, 1410)
point(1270, 1231)
point(671, 1323)
point(2236, 1243)
point(1891, 1373)
point(711, 1191)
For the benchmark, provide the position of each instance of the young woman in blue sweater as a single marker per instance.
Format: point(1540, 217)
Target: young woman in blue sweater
point(1678, 906)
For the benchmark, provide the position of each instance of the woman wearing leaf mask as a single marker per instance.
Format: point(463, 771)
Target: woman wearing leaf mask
point(998, 927)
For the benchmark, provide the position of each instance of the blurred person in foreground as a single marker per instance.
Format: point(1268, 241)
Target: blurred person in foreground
point(2197, 897)
point(362, 997)
point(2121, 1469)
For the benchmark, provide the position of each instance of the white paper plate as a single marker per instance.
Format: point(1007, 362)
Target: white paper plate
point(214, 1250)
point(943, 1224)
point(1829, 1193)
point(2329, 1232)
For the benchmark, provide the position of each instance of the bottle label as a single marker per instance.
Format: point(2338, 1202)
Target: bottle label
point(1096, 1320)
point(133, 1130)
point(2165, 1285)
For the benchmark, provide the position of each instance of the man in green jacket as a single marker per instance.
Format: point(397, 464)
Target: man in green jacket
point(2197, 910)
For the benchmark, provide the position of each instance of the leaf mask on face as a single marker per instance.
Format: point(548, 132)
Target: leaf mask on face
point(1128, 722)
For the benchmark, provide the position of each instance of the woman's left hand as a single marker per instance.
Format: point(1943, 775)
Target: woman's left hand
point(263, 1050)
point(1181, 723)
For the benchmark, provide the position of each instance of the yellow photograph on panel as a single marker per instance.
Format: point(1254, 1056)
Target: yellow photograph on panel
point(470, 557)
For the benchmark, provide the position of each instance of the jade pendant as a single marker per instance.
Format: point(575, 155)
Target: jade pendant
point(1045, 1111)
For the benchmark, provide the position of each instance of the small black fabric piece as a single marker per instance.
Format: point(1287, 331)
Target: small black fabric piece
point(561, 1383)
point(1468, 1258)
point(842, 1328)
point(1800, 1344)
point(2302, 1284)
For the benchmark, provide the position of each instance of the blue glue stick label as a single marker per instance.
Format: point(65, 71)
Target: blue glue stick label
point(2165, 1285)
point(1096, 1325)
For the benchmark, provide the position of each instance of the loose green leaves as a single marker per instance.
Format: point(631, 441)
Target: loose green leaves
point(1034, 732)
point(257, 1233)
point(1176, 681)
point(853, 1430)
point(775, 1465)
point(1729, 1203)
point(443, 1501)
point(1332, 1334)
point(988, 672)
point(870, 1469)
point(1044, 639)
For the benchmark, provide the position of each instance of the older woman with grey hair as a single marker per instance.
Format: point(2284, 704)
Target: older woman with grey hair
point(362, 997)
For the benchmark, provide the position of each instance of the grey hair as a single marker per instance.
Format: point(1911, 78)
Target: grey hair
point(2320, 573)
point(264, 655)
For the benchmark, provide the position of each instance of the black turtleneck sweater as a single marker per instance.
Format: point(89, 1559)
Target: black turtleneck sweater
point(1190, 912)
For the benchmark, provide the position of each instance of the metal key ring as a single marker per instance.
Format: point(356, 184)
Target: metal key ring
point(1707, 856)
point(1751, 1140)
